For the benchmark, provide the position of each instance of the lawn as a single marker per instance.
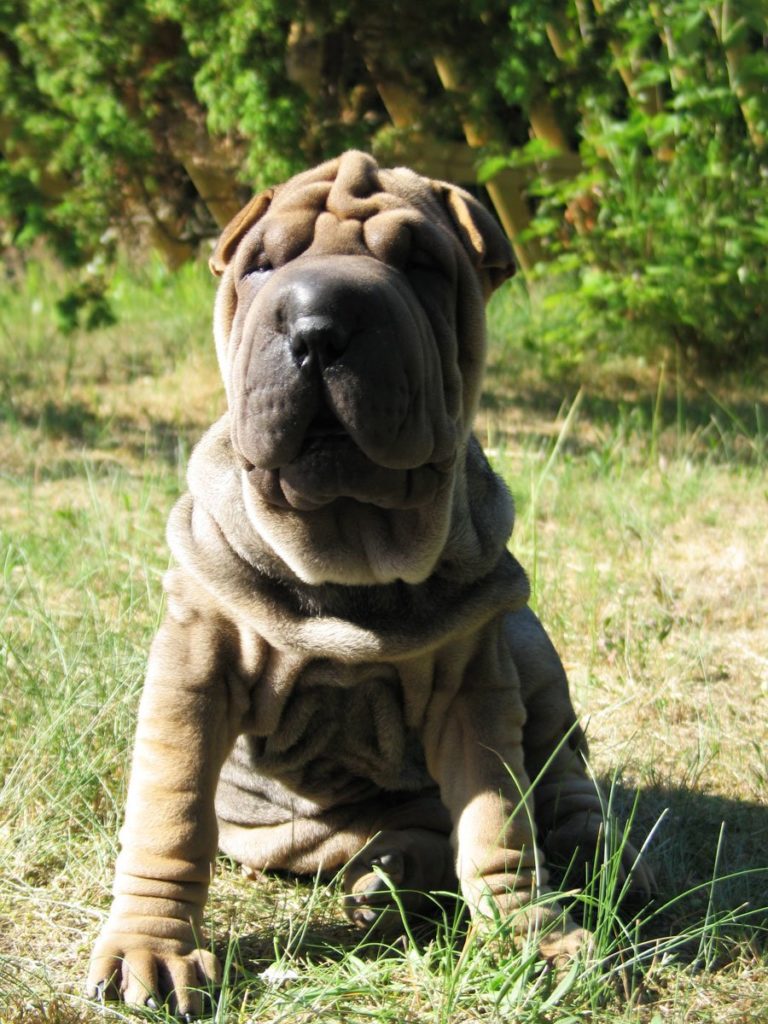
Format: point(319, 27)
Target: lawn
point(642, 508)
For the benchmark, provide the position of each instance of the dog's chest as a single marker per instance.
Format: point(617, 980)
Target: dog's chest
point(338, 723)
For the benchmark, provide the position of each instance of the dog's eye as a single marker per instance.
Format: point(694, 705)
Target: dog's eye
point(260, 264)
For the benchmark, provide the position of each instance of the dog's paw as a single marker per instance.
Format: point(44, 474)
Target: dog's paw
point(143, 970)
point(370, 883)
point(510, 918)
point(562, 945)
point(392, 875)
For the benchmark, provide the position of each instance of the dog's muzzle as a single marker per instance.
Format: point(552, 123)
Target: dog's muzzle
point(341, 388)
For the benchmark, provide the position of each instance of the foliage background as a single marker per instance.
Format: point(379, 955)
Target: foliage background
point(622, 143)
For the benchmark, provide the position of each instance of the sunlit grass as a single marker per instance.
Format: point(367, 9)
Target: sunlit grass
point(642, 524)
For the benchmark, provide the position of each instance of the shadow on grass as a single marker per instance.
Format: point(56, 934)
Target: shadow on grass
point(700, 427)
point(708, 855)
point(72, 419)
point(697, 424)
point(85, 432)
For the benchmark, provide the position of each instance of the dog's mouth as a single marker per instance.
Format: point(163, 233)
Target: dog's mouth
point(330, 467)
point(324, 431)
point(392, 489)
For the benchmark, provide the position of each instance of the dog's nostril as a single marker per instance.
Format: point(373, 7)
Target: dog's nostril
point(319, 336)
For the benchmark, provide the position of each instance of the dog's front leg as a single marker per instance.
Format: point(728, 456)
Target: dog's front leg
point(150, 947)
point(474, 746)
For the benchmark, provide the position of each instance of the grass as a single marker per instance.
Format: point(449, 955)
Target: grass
point(642, 506)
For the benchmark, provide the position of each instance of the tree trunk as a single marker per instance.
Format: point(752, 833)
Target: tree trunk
point(505, 188)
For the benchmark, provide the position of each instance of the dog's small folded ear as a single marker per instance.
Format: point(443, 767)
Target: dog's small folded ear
point(481, 234)
point(233, 233)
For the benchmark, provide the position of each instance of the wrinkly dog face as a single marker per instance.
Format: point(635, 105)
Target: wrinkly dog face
point(349, 330)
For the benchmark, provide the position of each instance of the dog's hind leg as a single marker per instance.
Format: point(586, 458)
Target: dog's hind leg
point(569, 810)
point(399, 842)
point(305, 846)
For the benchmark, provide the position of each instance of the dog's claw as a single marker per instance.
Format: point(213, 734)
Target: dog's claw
point(375, 886)
point(392, 864)
point(365, 917)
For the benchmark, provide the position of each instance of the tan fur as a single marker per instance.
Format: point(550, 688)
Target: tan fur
point(348, 673)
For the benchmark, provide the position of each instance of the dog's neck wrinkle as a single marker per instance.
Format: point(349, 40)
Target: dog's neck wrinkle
point(475, 551)
point(483, 516)
point(365, 623)
point(382, 606)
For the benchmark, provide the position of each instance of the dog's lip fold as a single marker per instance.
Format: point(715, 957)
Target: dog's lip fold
point(329, 466)
point(293, 489)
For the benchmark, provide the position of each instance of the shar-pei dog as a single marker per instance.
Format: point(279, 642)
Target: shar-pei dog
point(348, 675)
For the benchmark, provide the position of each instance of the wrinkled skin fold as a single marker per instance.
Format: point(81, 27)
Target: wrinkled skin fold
point(348, 675)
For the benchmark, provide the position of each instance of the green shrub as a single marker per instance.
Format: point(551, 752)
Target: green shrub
point(664, 238)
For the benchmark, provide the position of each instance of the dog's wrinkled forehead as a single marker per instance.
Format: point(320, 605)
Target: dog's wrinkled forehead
point(352, 187)
point(345, 207)
point(350, 206)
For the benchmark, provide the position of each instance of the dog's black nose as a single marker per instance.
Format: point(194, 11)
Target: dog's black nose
point(319, 311)
point(320, 335)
